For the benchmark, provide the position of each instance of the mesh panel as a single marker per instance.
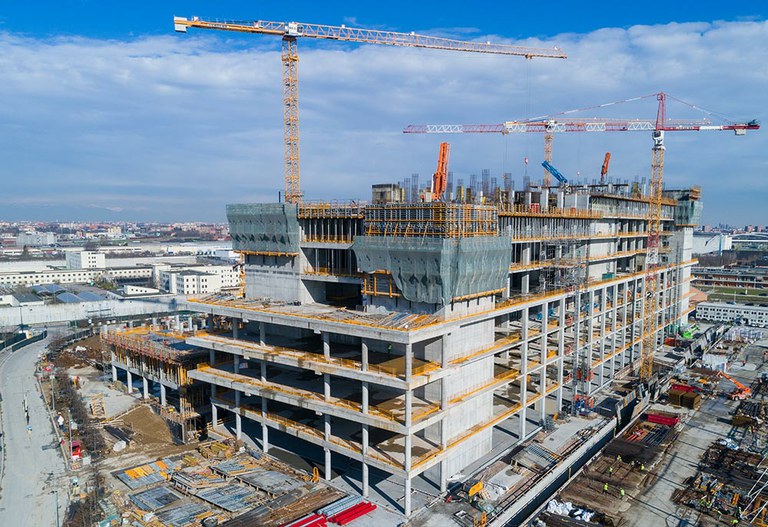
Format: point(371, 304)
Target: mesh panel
point(434, 270)
point(264, 227)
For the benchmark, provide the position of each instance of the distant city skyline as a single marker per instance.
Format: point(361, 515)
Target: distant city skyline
point(111, 116)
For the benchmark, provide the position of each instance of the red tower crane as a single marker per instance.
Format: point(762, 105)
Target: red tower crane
point(556, 123)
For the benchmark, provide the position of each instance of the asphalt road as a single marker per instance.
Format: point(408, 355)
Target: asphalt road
point(32, 466)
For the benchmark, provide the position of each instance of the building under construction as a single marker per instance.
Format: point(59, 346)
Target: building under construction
point(401, 336)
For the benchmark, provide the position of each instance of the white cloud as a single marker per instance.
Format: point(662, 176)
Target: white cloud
point(178, 126)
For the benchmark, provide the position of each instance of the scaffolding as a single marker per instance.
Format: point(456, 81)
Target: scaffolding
point(434, 219)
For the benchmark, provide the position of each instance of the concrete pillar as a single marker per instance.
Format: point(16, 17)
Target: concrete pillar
point(238, 425)
point(209, 322)
point(264, 427)
point(236, 364)
point(408, 362)
point(326, 386)
point(446, 340)
point(211, 357)
point(262, 333)
point(235, 328)
point(145, 386)
point(214, 416)
point(407, 498)
point(114, 371)
point(365, 465)
point(162, 395)
point(364, 351)
point(443, 477)
point(364, 403)
point(177, 322)
point(366, 489)
point(326, 344)
point(190, 323)
point(129, 381)
point(408, 408)
point(263, 371)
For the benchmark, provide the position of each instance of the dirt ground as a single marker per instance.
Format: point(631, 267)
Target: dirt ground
point(148, 427)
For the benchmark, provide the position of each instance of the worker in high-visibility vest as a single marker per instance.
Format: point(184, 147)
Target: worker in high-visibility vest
point(605, 488)
point(621, 493)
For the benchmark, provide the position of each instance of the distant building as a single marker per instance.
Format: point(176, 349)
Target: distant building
point(196, 283)
point(711, 242)
point(756, 316)
point(35, 239)
point(86, 260)
point(738, 277)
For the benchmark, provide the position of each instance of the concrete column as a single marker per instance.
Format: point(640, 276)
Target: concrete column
point(364, 404)
point(214, 416)
point(408, 408)
point(238, 425)
point(407, 498)
point(211, 357)
point(326, 386)
point(446, 340)
point(190, 323)
point(177, 322)
point(262, 333)
point(263, 371)
point(162, 395)
point(443, 463)
point(364, 351)
point(327, 450)
point(366, 490)
point(408, 362)
point(145, 386)
point(264, 427)
point(129, 381)
point(114, 371)
point(235, 328)
point(209, 322)
point(326, 344)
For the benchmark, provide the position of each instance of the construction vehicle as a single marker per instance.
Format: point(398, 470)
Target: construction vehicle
point(555, 172)
point(604, 169)
point(440, 177)
point(467, 491)
point(290, 32)
point(741, 392)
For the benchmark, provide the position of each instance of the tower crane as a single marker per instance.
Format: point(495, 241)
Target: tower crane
point(290, 32)
point(550, 124)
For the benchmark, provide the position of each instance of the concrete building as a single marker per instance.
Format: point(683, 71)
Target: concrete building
point(415, 339)
point(35, 239)
point(711, 242)
point(196, 279)
point(85, 260)
point(756, 316)
point(735, 277)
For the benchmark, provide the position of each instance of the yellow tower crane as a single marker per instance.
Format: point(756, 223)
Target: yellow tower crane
point(291, 31)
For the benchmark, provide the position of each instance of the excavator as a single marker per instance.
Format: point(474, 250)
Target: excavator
point(741, 392)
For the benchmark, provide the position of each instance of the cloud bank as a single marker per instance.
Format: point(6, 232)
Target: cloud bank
point(173, 128)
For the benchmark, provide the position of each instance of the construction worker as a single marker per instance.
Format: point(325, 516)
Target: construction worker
point(621, 493)
point(618, 458)
point(605, 488)
point(610, 472)
point(735, 521)
point(642, 467)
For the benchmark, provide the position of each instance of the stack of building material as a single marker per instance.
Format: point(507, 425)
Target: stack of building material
point(192, 481)
point(352, 513)
point(146, 475)
point(231, 498)
point(310, 520)
point(154, 498)
point(684, 398)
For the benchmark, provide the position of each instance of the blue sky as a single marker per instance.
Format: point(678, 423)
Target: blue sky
point(108, 114)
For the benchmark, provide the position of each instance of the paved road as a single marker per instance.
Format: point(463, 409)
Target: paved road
point(32, 465)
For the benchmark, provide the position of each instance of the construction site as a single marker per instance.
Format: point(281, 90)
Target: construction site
point(443, 353)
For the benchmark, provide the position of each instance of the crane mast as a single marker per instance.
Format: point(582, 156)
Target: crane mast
point(291, 31)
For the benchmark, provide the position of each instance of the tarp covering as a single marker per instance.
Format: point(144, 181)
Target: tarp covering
point(437, 270)
point(264, 227)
